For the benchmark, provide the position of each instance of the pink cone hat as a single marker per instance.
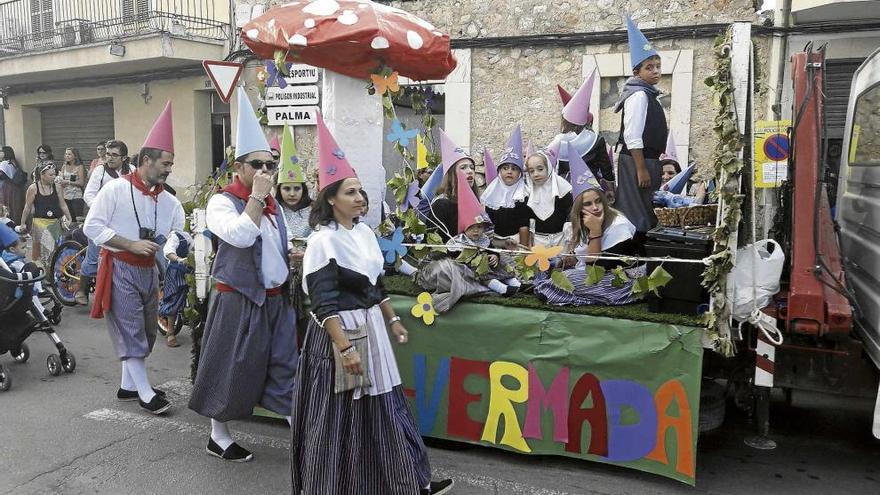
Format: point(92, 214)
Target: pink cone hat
point(332, 164)
point(450, 152)
point(274, 144)
point(564, 95)
point(491, 170)
point(161, 136)
point(470, 211)
point(577, 110)
point(530, 149)
point(671, 153)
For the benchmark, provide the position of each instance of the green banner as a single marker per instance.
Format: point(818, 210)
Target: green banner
point(616, 391)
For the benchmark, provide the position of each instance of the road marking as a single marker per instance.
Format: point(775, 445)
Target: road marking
point(182, 388)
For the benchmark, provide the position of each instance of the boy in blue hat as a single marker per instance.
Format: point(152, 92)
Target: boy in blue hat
point(643, 133)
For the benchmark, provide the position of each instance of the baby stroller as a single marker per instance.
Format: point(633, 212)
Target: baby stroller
point(21, 317)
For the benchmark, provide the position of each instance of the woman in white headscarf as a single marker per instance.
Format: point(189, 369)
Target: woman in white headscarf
point(549, 199)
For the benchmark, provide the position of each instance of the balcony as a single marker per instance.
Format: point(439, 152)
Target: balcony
point(89, 38)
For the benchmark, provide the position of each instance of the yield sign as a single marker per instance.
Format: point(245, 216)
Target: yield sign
point(224, 75)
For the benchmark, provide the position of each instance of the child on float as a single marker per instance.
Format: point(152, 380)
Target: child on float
point(549, 199)
point(643, 135)
point(472, 224)
point(577, 131)
point(443, 215)
point(597, 229)
point(504, 197)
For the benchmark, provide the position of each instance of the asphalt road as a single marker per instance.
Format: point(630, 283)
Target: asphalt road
point(70, 435)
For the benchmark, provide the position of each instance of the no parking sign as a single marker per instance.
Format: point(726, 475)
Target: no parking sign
point(772, 148)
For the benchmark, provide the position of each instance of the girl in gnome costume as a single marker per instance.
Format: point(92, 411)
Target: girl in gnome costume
point(643, 133)
point(472, 224)
point(597, 228)
point(441, 192)
point(351, 436)
point(130, 219)
point(577, 131)
point(249, 353)
point(504, 197)
point(293, 192)
point(549, 199)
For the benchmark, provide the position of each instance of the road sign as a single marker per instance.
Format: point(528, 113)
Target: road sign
point(224, 76)
point(292, 115)
point(292, 95)
point(772, 148)
point(302, 74)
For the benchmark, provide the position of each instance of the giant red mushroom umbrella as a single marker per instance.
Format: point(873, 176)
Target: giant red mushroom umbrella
point(352, 37)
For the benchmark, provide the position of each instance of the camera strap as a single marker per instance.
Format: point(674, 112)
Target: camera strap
point(137, 217)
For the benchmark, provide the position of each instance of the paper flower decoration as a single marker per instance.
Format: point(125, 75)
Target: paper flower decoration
point(541, 256)
point(411, 200)
point(401, 135)
point(262, 75)
point(424, 308)
point(392, 248)
point(421, 153)
point(385, 83)
point(273, 77)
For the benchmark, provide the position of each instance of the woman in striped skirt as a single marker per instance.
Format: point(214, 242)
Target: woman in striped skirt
point(597, 228)
point(362, 441)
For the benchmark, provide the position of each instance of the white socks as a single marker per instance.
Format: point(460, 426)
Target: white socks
point(406, 269)
point(127, 382)
point(137, 369)
point(220, 434)
point(497, 286)
point(513, 282)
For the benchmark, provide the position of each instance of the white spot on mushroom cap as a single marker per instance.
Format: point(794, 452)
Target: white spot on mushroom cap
point(321, 7)
point(379, 43)
point(362, 6)
point(253, 33)
point(309, 23)
point(298, 40)
point(415, 41)
point(348, 18)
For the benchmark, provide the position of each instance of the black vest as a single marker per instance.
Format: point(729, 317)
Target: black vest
point(655, 133)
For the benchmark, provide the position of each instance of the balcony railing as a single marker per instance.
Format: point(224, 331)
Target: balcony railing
point(40, 25)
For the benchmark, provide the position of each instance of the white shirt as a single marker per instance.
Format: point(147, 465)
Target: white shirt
point(173, 242)
point(240, 231)
point(97, 178)
point(111, 213)
point(635, 113)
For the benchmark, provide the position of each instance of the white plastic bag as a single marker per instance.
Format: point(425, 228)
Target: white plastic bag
point(756, 266)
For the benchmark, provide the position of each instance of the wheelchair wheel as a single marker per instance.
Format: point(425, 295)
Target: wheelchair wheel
point(24, 353)
point(64, 271)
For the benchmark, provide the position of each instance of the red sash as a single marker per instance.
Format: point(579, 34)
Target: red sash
point(104, 281)
point(221, 287)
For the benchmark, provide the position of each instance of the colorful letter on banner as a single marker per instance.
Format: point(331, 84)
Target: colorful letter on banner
point(669, 391)
point(459, 424)
point(501, 401)
point(427, 409)
point(628, 442)
point(556, 399)
point(587, 386)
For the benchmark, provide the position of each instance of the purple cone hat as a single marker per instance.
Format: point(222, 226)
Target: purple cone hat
point(582, 177)
point(450, 153)
point(513, 151)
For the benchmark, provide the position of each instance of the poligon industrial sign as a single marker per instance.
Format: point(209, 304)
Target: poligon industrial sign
point(292, 95)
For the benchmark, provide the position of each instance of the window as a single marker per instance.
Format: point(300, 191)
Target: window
point(864, 148)
point(42, 22)
point(136, 10)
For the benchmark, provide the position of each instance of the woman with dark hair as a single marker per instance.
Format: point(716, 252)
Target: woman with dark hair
point(43, 154)
point(352, 431)
point(296, 206)
point(72, 179)
point(443, 217)
point(44, 198)
point(12, 183)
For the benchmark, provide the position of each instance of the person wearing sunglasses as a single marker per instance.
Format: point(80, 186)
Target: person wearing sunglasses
point(248, 352)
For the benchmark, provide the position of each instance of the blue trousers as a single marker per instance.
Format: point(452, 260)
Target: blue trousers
point(90, 265)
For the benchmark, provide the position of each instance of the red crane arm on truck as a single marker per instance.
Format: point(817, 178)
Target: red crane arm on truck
point(816, 304)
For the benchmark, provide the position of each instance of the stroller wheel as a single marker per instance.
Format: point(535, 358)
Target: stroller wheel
point(68, 362)
point(23, 354)
point(53, 364)
point(5, 379)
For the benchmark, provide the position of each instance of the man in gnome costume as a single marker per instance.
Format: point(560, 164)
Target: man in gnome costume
point(249, 352)
point(580, 137)
point(130, 219)
point(643, 133)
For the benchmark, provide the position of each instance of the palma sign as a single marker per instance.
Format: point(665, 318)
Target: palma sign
point(292, 115)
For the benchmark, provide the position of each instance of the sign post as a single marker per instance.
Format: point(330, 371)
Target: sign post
point(772, 148)
point(296, 103)
point(224, 76)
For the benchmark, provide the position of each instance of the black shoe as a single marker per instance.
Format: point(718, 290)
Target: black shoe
point(127, 395)
point(511, 290)
point(234, 453)
point(156, 406)
point(438, 487)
